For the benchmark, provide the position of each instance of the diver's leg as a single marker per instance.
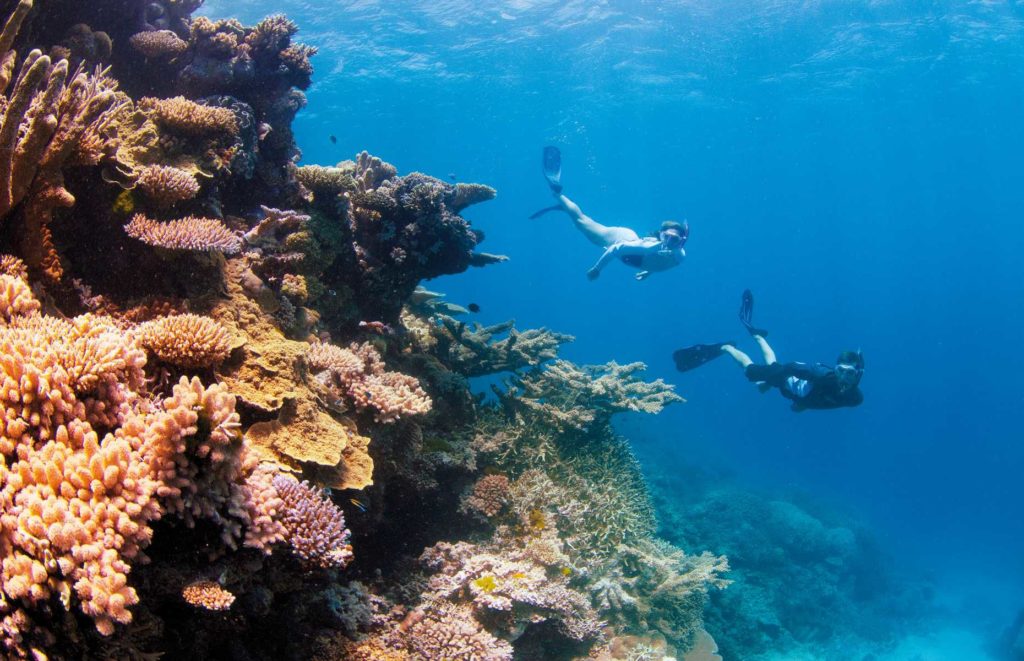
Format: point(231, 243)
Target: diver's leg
point(767, 351)
point(595, 232)
point(737, 355)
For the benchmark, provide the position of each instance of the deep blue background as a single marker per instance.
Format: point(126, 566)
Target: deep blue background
point(856, 164)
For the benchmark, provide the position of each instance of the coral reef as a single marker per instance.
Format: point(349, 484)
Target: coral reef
point(236, 426)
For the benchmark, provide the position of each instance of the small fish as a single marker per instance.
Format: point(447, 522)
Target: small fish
point(334, 139)
point(263, 130)
point(362, 508)
point(473, 307)
point(451, 176)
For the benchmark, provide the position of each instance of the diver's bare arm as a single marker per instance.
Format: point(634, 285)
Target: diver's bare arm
point(607, 256)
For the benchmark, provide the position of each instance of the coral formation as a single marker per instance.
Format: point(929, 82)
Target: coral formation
point(186, 340)
point(189, 233)
point(247, 388)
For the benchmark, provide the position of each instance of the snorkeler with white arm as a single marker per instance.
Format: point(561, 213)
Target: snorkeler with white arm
point(659, 252)
point(815, 386)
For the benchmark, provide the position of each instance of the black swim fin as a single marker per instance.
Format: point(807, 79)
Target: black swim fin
point(541, 212)
point(747, 313)
point(553, 168)
point(695, 356)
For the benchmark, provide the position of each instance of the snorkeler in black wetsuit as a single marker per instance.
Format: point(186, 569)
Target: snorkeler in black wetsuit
point(815, 386)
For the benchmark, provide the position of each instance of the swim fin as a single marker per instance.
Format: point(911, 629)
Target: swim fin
point(747, 313)
point(695, 356)
point(553, 168)
point(541, 212)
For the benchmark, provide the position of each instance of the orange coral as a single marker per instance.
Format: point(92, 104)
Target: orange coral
point(165, 186)
point(208, 595)
point(188, 117)
point(16, 299)
point(189, 233)
point(186, 340)
point(11, 265)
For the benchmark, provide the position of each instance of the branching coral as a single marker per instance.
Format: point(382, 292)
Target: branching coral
point(315, 527)
point(189, 118)
point(449, 631)
point(488, 496)
point(16, 298)
point(358, 376)
point(186, 340)
point(507, 580)
point(207, 595)
point(473, 351)
point(579, 396)
point(165, 186)
point(158, 43)
point(189, 233)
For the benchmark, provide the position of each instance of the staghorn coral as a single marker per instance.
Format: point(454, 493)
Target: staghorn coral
point(473, 351)
point(357, 375)
point(190, 341)
point(314, 527)
point(207, 595)
point(189, 118)
point(188, 233)
point(580, 396)
point(158, 43)
point(165, 186)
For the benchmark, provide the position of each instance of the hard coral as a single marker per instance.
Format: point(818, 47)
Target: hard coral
point(189, 118)
point(358, 375)
point(314, 527)
point(165, 186)
point(449, 631)
point(488, 496)
point(207, 595)
point(186, 340)
point(16, 298)
point(188, 233)
point(158, 43)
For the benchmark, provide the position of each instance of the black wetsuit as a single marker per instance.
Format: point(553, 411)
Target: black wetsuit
point(807, 386)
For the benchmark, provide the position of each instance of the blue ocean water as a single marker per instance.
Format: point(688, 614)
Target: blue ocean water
point(856, 164)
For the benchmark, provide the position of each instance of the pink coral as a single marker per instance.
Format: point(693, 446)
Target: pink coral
point(359, 373)
point(449, 631)
point(16, 298)
point(489, 495)
point(315, 527)
point(189, 233)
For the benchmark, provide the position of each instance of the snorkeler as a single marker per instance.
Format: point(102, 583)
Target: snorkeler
point(659, 252)
point(815, 386)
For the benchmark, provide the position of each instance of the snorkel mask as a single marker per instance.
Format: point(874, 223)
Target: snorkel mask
point(849, 369)
point(674, 234)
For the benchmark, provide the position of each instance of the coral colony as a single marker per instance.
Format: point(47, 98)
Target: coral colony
point(208, 353)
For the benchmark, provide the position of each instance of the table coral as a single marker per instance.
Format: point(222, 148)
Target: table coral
point(188, 233)
point(472, 350)
point(189, 118)
point(158, 43)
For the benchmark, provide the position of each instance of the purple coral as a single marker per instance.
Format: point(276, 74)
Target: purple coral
point(315, 526)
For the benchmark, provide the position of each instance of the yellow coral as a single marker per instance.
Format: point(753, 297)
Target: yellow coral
point(487, 583)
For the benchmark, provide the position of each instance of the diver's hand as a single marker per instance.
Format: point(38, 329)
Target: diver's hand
point(642, 275)
point(593, 273)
